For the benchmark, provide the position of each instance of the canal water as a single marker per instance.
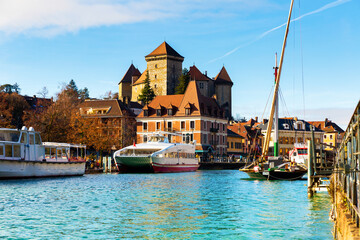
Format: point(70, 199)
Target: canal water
point(198, 205)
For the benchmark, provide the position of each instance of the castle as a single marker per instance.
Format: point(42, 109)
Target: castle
point(164, 66)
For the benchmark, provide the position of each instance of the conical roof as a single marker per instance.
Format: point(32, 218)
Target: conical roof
point(132, 71)
point(223, 77)
point(164, 49)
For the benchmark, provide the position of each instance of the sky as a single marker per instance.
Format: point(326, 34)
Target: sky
point(46, 43)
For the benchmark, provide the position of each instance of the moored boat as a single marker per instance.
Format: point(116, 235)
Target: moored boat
point(268, 167)
point(157, 155)
point(24, 155)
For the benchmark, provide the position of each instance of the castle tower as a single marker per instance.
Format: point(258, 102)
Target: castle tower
point(223, 85)
point(165, 67)
point(131, 75)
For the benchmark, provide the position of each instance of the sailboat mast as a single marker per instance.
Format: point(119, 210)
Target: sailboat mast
point(271, 118)
point(276, 125)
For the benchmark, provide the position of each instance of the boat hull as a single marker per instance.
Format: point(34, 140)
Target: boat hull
point(10, 169)
point(170, 168)
point(168, 165)
point(286, 175)
point(133, 164)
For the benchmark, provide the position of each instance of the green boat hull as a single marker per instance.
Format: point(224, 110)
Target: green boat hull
point(134, 164)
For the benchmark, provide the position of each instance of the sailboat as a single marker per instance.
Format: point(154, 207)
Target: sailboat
point(274, 167)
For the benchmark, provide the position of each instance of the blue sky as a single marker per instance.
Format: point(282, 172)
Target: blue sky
point(49, 42)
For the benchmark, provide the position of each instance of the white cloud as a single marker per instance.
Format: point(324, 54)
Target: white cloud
point(51, 17)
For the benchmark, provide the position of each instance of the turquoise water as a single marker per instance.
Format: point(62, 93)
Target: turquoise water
point(196, 205)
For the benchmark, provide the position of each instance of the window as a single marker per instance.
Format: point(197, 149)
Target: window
point(205, 138)
point(169, 124)
point(187, 111)
point(201, 85)
point(145, 138)
point(182, 124)
point(227, 144)
point(158, 112)
point(155, 65)
point(37, 139)
point(204, 125)
point(331, 136)
point(146, 113)
point(232, 145)
point(192, 124)
point(155, 78)
point(223, 139)
point(145, 126)
point(223, 127)
point(158, 125)
point(31, 139)
point(324, 136)
point(187, 138)
point(286, 126)
point(170, 112)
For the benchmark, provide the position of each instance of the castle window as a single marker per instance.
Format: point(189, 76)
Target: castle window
point(158, 112)
point(201, 85)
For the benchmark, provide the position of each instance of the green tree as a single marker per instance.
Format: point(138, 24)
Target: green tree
point(147, 93)
point(183, 82)
point(8, 88)
point(84, 94)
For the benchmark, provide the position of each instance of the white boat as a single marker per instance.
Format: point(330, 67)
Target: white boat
point(299, 154)
point(24, 155)
point(157, 155)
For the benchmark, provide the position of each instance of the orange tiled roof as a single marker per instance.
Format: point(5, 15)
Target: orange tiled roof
point(223, 77)
point(114, 107)
point(164, 49)
point(196, 75)
point(141, 78)
point(192, 98)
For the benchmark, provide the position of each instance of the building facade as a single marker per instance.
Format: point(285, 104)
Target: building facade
point(192, 116)
point(114, 120)
point(291, 131)
point(332, 133)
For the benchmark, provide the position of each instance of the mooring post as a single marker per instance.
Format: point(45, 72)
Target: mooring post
point(109, 164)
point(104, 165)
point(310, 172)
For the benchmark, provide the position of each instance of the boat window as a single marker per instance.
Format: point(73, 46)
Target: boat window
point(24, 137)
point(8, 150)
point(47, 152)
point(1, 150)
point(130, 152)
point(59, 153)
point(17, 151)
point(31, 139)
point(10, 136)
point(37, 139)
point(53, 153)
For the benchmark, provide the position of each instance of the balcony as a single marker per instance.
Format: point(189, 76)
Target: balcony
point(214, 130)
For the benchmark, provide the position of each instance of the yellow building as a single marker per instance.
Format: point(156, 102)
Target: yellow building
point(235, 144)
point(332, 133)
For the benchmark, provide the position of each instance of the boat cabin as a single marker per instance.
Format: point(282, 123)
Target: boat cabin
point(299, 154)
point(64, 152)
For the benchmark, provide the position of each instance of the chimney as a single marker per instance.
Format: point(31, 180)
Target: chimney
point(256, 119)
point(205, 73)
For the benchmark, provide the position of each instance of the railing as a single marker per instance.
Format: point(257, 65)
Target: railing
point(348, 168)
